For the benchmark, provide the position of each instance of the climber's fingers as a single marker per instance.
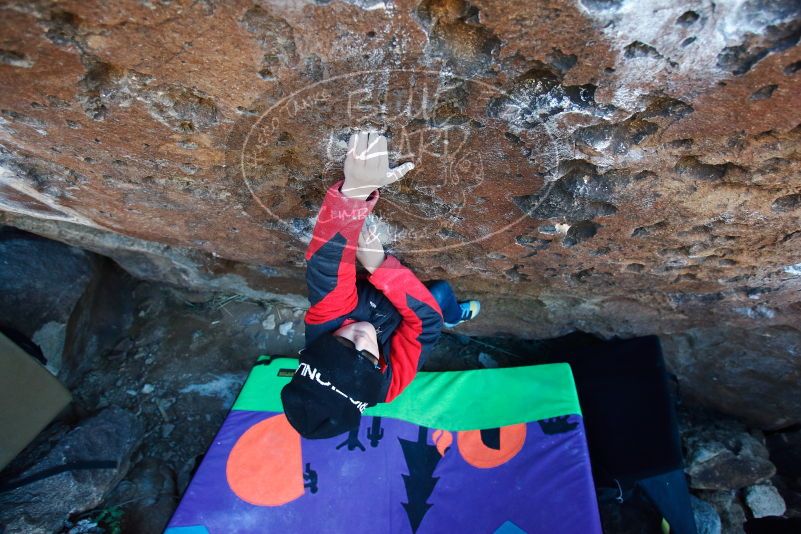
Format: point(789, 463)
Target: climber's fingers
point(393, 175)
point(382, 155)
point(373, 153)
point(360, 148)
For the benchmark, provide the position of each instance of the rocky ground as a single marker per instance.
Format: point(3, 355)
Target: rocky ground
point(154, 370)
point(157, 365)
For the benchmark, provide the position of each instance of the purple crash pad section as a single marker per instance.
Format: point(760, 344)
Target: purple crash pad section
point(390, 476)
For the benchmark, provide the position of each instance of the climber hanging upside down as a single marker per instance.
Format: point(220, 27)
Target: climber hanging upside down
point(366, 338)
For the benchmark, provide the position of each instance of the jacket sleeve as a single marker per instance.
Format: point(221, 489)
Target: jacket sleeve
point(421, 321)
point(331, 259)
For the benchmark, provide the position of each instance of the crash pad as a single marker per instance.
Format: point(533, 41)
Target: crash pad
point(489, 450)
point(30, 397)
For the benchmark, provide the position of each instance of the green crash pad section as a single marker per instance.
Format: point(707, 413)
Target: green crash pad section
point(451, 400)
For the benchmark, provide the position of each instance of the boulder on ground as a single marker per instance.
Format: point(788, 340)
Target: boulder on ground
point(707, 520)
point(42, 506)
point(723, 455)
point(764, 500)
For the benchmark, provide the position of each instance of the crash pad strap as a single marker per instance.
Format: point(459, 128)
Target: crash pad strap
point(451, 400)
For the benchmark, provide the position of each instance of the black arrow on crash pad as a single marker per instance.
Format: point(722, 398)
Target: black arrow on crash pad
point(421, 460)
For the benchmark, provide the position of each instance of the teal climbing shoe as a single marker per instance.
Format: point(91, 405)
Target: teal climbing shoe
point(469, 309)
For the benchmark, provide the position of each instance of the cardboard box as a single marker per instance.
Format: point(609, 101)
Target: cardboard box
point(30, 397)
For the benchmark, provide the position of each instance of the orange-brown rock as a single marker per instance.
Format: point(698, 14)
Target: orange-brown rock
point(617, 166)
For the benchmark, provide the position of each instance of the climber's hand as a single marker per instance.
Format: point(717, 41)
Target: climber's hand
point(367, 165)
point(370, 252)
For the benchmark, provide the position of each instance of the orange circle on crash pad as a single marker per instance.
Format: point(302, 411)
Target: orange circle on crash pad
point(265, 466)
point(477, 454)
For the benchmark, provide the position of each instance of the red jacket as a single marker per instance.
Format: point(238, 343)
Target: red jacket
point(407, 319)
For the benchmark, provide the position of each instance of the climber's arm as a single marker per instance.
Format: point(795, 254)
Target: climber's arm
point(421, 321)
point(331, 256)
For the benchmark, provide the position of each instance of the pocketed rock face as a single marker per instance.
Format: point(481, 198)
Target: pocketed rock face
point(620, 167)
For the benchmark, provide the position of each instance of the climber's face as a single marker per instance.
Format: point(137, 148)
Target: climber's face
point(363, 336)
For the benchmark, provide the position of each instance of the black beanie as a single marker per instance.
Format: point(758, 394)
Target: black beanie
point(330, 389)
